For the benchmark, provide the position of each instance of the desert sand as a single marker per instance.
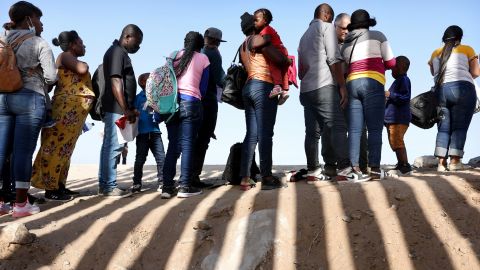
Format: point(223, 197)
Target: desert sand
point(426, 221)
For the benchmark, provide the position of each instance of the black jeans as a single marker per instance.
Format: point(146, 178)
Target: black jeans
point(206, 131)
point(328, 150)
point(322, 111)
point(146, 141)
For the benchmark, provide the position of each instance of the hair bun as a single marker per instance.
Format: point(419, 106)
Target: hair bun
point(56, 42)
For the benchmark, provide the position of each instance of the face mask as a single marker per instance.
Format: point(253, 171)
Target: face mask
point(31, 27)
point(133, 49)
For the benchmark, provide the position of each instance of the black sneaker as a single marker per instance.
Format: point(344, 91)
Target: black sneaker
point(32, 199)
point(136, 188)
point(376, 173)
point(405, 169)
point(57, 195)
point(67, 191)
point(272, 182)
point(199, 184)
point(188, 191)
point(167, 192)
point(330, 170)
point(116, 192)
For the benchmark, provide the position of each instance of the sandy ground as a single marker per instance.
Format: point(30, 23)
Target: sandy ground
point(427, 221)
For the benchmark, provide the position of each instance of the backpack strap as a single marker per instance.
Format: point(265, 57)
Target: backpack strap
point(20, 40)
point(236, 54)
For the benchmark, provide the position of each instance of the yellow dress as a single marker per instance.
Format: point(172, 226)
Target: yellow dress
point(71, 102)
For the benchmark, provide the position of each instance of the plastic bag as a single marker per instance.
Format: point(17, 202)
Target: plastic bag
point(126, 131)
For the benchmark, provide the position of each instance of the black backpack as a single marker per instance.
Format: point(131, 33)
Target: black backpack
point(425, 110)
point(98, 85)
point(231, 173)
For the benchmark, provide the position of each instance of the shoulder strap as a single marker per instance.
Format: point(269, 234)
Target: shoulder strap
point(20, 40)
point(236, 54)
point(351, 52)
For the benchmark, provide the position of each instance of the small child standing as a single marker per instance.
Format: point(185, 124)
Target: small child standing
point(263, 18)
point(398, 115)
point(149, 137)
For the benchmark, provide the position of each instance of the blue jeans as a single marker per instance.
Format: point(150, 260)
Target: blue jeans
point(111, 149)
point(457, 100)
point(366, 106)
point(146, 141)
point(206, 131)
point(21, 116)
point(260, 116)
point(182, 133)
point(321, 108)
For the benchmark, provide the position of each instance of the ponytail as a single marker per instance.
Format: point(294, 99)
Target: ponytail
point(193, 43)
point(451, 37)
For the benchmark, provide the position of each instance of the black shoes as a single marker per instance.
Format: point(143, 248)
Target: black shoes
point(136, 188)
point(57, 195)
point(188, 191)
point(272, 182)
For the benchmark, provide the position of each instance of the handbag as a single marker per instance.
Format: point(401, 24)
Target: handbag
point(425, 109)
point(233, 84)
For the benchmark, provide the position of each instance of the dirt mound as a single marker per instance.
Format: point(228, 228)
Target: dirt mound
point(427, 221)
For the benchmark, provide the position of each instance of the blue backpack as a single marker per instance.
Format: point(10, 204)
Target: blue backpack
point(162, 90)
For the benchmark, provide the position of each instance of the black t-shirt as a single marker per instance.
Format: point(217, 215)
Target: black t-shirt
point(117, 63)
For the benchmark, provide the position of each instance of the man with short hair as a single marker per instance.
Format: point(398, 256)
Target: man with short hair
point(323, 94)
point(118, 100)
point(213, 38)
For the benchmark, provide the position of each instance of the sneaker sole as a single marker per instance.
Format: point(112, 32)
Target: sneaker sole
point(19, 215)
point(166, 196)
point(188, 195)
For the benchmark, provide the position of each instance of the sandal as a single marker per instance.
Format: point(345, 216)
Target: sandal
point(251, 184)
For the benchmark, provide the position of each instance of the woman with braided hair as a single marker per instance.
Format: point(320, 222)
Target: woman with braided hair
point(72, 100)
point(192, 72)
point(454, 67)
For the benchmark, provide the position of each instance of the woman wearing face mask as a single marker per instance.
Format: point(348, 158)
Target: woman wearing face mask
point(22, 112)
point(71, 103)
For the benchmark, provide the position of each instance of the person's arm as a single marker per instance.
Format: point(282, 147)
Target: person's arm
point(474, 67)
point(389, 60)
point(261, 41)
point(334, 61)
point(400, 93)
point(47, 63)
point(118, 93)
point(70, 62)
point(204, 81)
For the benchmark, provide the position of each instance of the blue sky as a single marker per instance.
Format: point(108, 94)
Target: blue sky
point(414, 29)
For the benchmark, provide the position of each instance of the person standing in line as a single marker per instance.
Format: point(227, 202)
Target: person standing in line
point(213, 39)
point(192, 72)
point(368, 54)
point(398, 115)
point(71, 102)
point(118, 100)
point(22, 113)
point(454, 67)
point(341, 22)
point(260, 110)
point(149, 137)
point(323, 95)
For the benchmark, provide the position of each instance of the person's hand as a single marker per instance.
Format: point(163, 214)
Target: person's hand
point(387, 94)
point(343, 97)
point(131, 115)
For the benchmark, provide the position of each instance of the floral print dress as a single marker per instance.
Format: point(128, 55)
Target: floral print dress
point(71, 102)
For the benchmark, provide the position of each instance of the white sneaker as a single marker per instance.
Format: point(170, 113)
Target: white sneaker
point(316, 175)
point(458, 167)
point(351, 175)
point(24, 210)
point(5, 208)
point(442, 168)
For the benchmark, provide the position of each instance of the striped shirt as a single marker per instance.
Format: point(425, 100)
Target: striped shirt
point(458, 65)
point(371, 57)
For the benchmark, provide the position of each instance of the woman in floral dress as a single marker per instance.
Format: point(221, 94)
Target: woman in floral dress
point(71, 103)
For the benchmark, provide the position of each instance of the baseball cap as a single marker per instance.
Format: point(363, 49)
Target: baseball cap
point(215, 33)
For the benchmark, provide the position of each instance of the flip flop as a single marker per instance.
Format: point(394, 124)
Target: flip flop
point(251, 184)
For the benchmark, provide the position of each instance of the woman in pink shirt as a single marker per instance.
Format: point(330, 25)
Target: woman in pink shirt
point(192, 72)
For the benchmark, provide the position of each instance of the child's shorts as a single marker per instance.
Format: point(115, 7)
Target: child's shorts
point(396, 132)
